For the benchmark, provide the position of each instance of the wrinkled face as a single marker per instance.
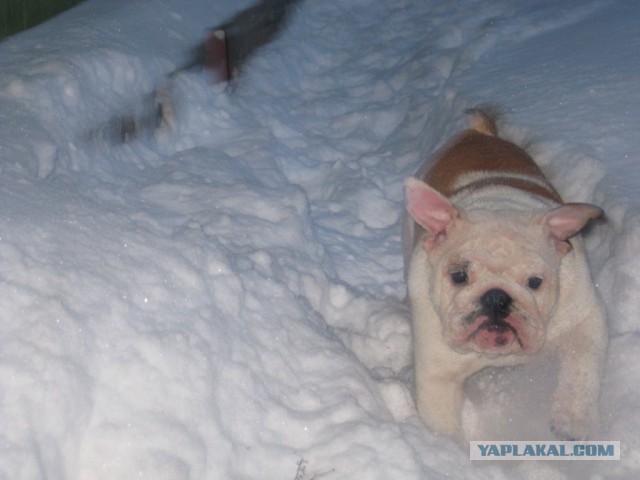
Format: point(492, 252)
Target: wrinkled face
point(495, 284)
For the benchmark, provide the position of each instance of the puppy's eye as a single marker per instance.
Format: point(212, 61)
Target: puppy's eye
point(459, 277)
point(534, 283)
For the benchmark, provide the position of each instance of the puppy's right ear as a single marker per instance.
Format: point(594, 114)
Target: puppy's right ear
point(567, 220)
point(430, 210)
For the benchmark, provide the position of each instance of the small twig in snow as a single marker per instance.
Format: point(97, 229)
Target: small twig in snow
point(301, 467)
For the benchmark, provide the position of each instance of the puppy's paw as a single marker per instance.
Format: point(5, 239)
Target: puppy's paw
point(569, 425)
point(562, 433)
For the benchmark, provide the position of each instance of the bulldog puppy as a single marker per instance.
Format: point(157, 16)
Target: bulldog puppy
point(494, 273)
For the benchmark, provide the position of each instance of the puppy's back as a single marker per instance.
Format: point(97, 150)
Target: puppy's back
point(478, 158)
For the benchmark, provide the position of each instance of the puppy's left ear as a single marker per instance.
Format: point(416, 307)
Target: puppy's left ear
point(565, 221)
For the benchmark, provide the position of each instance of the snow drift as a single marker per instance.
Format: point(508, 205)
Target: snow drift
point(223, 298)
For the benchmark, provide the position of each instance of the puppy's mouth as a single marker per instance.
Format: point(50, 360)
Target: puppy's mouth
point(494, 327)
point(495, 334)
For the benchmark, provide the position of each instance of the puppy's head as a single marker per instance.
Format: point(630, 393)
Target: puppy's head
point(493, 277)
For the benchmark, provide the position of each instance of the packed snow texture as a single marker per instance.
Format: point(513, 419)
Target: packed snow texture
point(223, 298)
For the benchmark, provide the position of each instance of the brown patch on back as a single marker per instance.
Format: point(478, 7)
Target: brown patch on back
point(473, 151)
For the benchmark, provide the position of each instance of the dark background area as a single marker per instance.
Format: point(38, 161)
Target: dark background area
point(18, 15)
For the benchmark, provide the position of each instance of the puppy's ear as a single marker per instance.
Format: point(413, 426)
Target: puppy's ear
point(429, 209)
point(567, 220)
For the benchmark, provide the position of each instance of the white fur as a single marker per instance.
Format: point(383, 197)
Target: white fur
point(505, 233)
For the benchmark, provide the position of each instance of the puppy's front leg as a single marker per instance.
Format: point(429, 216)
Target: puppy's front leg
point(439, 399)
point(575, 403)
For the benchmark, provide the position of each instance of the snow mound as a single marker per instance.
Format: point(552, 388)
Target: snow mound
point(223, 297)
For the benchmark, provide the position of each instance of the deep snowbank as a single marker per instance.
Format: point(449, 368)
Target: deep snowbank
point(223, 299)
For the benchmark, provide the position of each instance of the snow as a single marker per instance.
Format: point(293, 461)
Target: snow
point(223, 298)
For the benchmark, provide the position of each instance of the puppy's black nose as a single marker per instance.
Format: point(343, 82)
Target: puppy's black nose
point(496, 302)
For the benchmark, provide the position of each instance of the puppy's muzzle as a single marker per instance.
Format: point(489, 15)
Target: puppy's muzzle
point(494, 327)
